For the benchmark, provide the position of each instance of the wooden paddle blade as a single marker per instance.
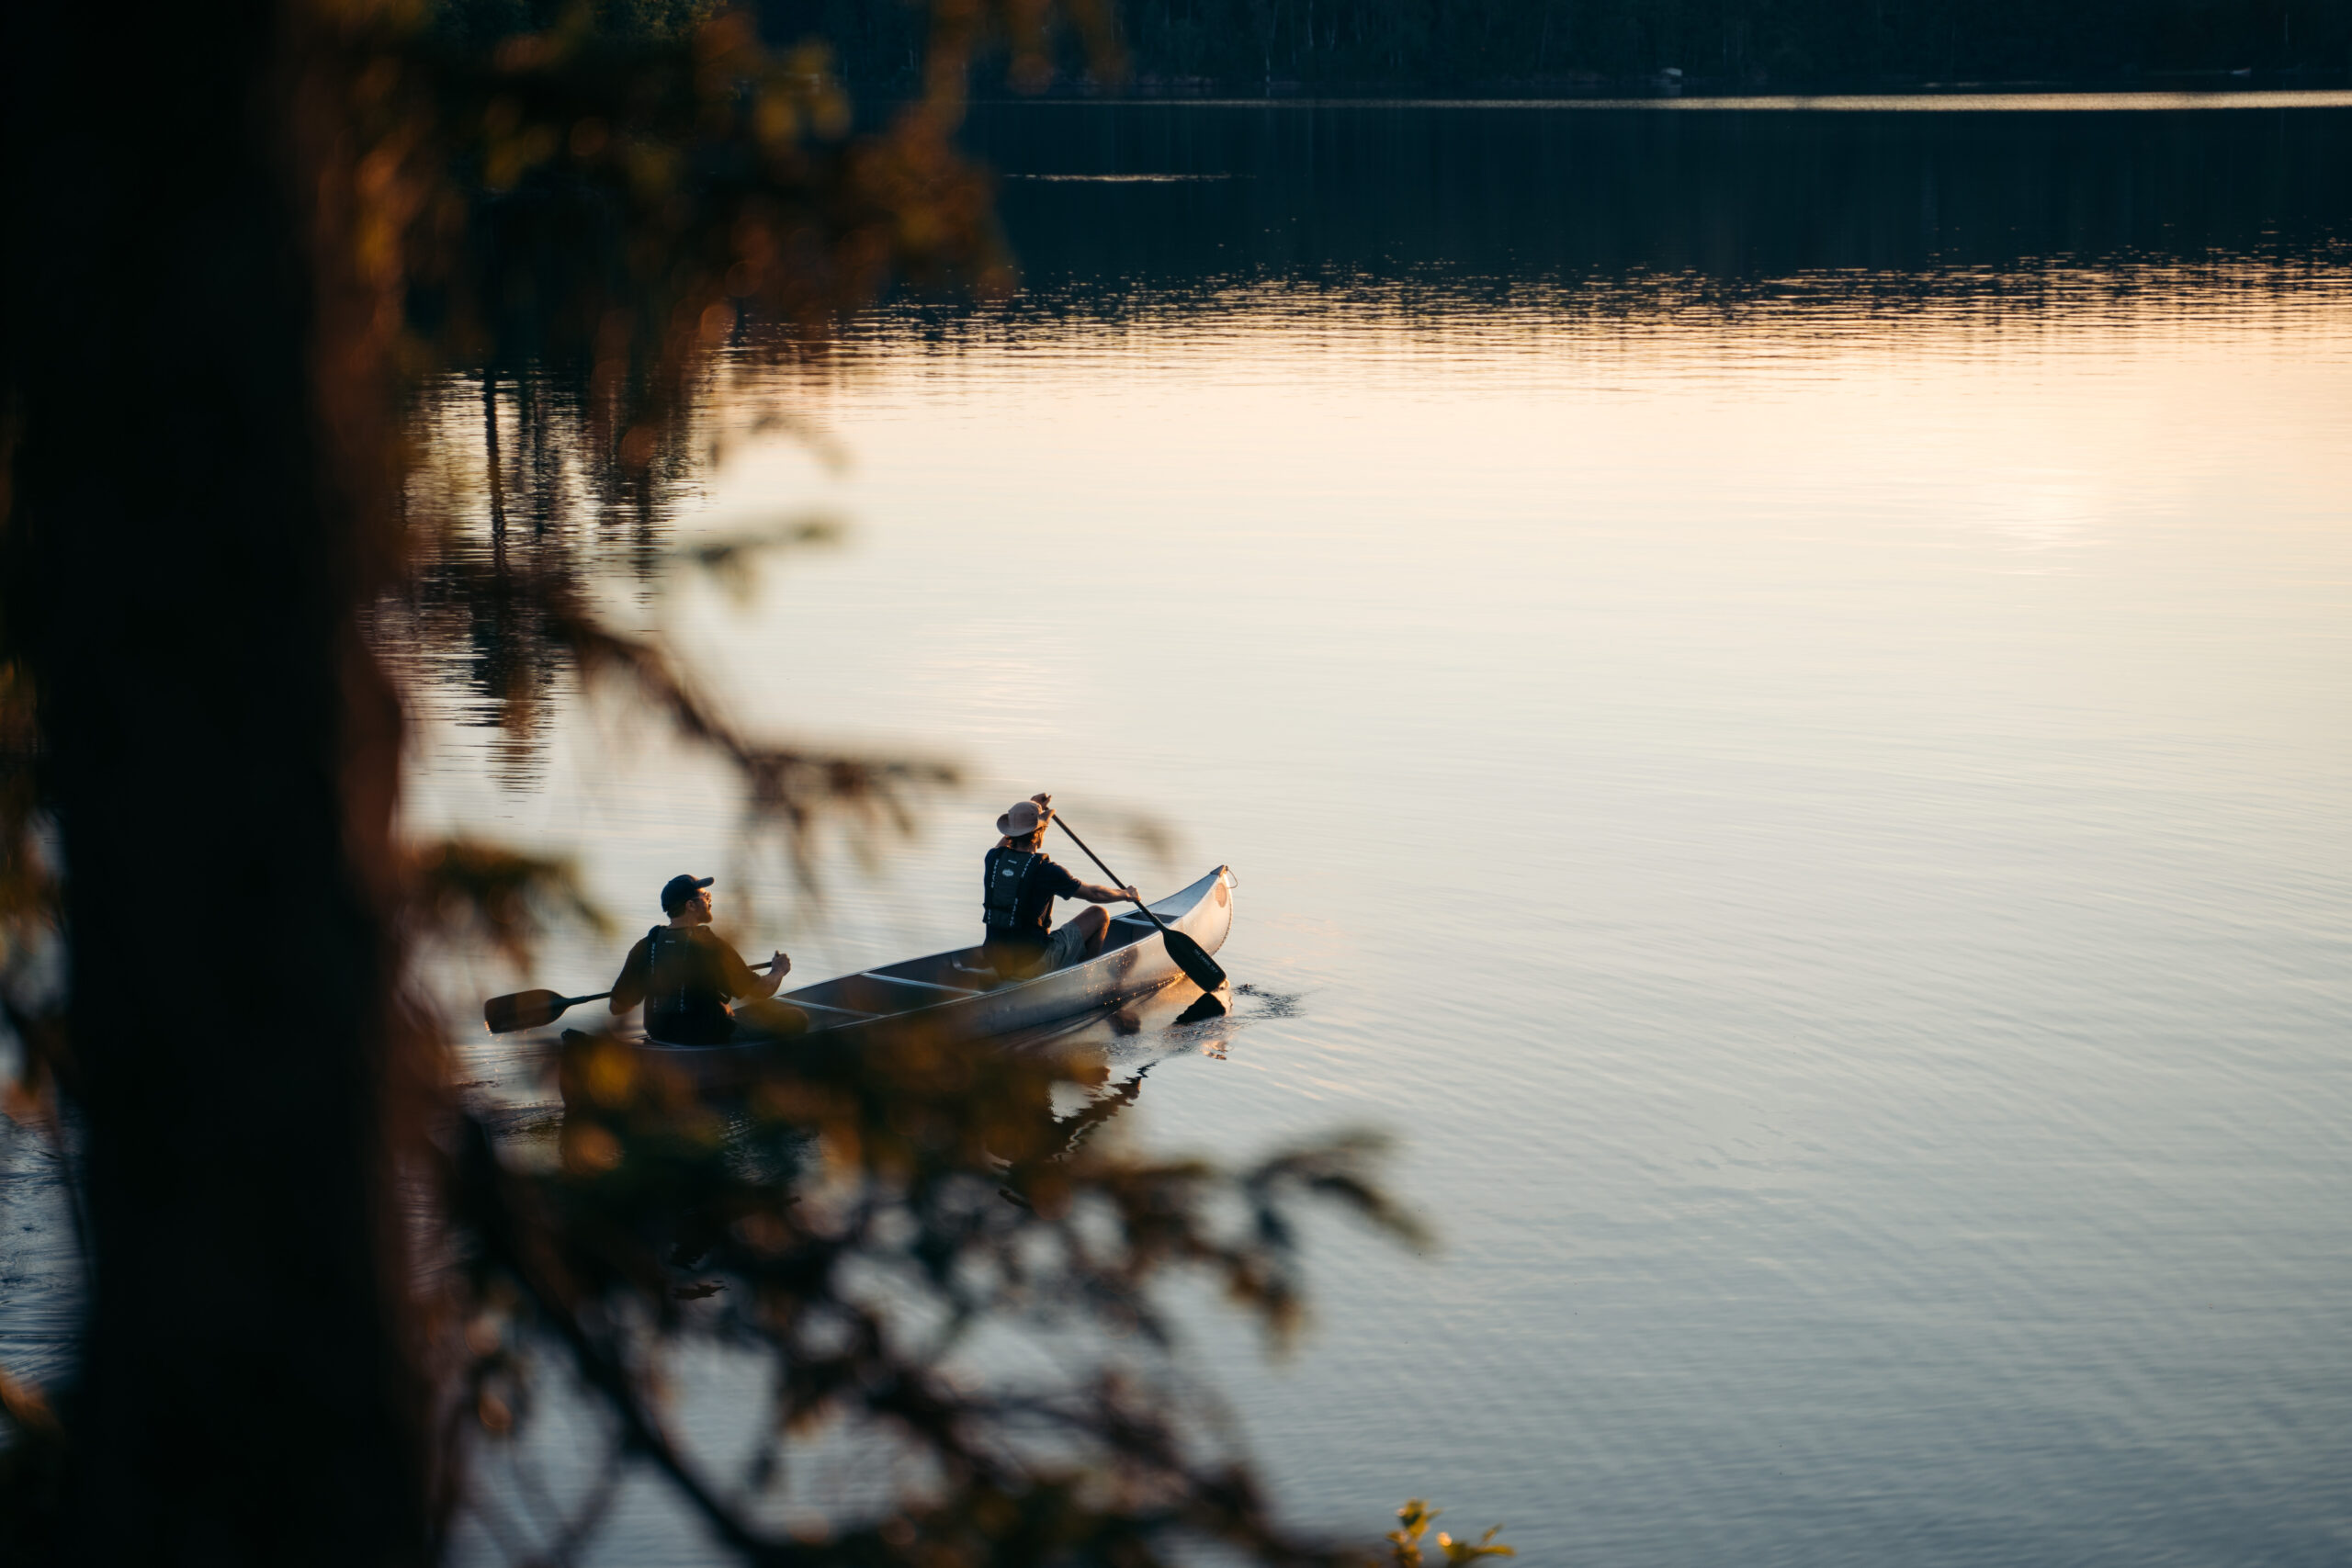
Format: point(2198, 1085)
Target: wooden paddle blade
point(523, 1009)
point(1193, 960)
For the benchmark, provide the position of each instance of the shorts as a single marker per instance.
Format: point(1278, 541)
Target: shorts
point(1062, 949)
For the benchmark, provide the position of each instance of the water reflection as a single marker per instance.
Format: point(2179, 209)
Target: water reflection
point(1117, 1048)
point(1518, 194)
point(1502, 220)
point(1208, 1005)
point(1794, 746)
point(520, 497)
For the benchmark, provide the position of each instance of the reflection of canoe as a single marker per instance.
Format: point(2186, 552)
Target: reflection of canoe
point(943, 994)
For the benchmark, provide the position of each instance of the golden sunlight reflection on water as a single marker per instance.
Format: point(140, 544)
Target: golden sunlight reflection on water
point(1821, 818)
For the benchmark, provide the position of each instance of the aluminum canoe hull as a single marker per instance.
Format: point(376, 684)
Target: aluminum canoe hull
point(939, 995)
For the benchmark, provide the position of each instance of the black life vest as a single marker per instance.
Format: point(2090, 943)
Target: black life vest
point(686, 989)
point(1003, 881)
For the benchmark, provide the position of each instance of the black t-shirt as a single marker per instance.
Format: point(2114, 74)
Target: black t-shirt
point(1033, 915)
point(688, 975)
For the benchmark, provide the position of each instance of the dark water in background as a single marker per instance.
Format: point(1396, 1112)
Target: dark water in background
point(1506, 196)
point(1777, 683)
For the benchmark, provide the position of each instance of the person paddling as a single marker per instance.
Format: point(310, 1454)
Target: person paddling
point(1020, 883)
point(685, 976)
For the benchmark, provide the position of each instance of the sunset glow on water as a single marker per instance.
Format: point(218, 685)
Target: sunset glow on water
point(1773, 677)
point(1815, 806)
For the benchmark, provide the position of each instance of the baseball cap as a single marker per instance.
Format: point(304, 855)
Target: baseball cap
point(678, 889)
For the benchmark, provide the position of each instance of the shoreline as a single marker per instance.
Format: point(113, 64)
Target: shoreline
point(2056, 101)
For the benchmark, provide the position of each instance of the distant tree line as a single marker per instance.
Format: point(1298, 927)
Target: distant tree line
point(1587, 45)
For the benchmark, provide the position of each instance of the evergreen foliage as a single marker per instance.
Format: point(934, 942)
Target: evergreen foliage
point(322, 1284)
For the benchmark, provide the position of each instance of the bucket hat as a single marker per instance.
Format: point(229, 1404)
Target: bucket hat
point(1026, 816)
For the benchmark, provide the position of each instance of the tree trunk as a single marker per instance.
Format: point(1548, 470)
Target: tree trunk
point(193, 536)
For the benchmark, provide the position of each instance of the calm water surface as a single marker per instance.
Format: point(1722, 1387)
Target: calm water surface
point(1779, 688)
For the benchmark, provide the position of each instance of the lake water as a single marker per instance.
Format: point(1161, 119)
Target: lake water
point(1779, 689)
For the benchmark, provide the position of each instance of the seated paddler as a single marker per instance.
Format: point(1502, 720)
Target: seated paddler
point(1020, 883)
point(696, 990)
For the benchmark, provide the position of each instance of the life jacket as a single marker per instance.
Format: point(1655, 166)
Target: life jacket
point(1004, 879)
point(686, 989)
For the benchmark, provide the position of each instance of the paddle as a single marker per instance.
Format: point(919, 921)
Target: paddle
point(529, 1009)
point(1190, 955)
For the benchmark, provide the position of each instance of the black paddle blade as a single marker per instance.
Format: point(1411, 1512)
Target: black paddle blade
point(523, 1009)
point(1193, 960)
point(1207, 1006)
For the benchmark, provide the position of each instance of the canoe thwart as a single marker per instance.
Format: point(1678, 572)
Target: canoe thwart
point(926, 985)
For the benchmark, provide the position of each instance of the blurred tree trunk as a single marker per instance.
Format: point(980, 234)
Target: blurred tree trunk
point(191, 546)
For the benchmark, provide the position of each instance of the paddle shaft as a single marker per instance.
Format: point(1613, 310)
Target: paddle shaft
point(571, 1002)
point(562, 1005)
point(1190, 955)
point(1113, 875)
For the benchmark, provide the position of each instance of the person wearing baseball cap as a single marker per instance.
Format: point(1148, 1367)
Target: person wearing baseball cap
point(686, 976)
point(1020, 883)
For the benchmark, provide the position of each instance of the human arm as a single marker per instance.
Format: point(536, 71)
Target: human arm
point(743, 981)
point(630, 988)
point(1092, 892)
point(1065, 886)
point(779, 966)
point(1061, 884)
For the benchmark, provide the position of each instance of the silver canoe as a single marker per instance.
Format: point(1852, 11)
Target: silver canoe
point(942, 993)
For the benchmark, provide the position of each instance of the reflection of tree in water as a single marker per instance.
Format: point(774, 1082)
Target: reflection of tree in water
point(1171, 1025)
point(521, 497)
point(319, 1289)
point(620, 196)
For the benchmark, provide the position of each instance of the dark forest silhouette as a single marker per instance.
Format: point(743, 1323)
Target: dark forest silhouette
point(1603, 206)
point(1244, 45)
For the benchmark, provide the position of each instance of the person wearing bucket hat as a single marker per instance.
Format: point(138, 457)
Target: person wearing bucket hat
point(1020, 883)
point(686, 976)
